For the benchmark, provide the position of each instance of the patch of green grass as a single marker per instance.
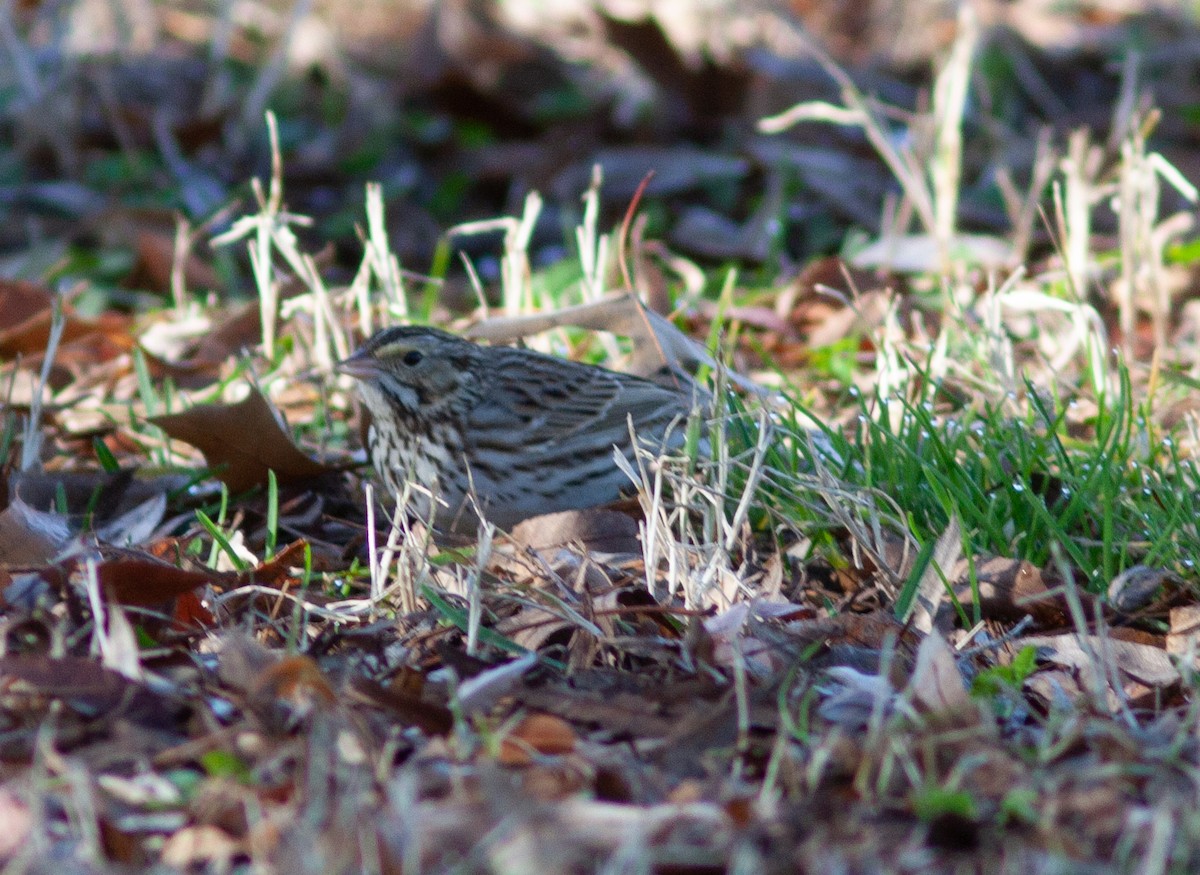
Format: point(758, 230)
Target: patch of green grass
point(1024, 478)
point(930, 803)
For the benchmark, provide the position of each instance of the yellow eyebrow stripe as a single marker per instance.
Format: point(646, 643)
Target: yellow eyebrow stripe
point(396, 348)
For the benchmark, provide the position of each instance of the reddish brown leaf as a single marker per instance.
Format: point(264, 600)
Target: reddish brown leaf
point(154, 251)
point(241, 442)
point(277, 570)
point(27, 311)
point(1008, 590)
point(296, 681)
point(146, 583)
point(21, 300)
point(190, 614)
point(240, 328)
point(540, 733)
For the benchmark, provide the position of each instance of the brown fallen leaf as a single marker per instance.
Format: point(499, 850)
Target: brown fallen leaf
point(1184, 635)
point(598, 529)
point(30, 537)
point(238, 329)
point(21, 300)
point(147, 582)
point(86, 687)
point(1137, 665)
point(1008, 590)
point(117, 507)
point(408, 708)
point(241, 442)
point(28, 311)
point(936, 684)
point(541, 733)
point(154, 251)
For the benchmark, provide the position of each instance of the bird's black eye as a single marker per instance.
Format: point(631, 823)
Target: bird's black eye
point(412, 357)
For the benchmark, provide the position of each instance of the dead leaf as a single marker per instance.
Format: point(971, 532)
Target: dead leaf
point(1184, 636)
point(120, 509)
point(1008, 590)
point(154, 257)
point(241, 442)
point(85, 686)
point(200, 847)
point(21, 300)
point(937, 684)
point(931, 591)
point(118, 647)
point(538, 733)
point(147, 582)
point(483, 690)
point(28, 312)
point(597, 529)
point(1139, 665)
point(278, 569)
point(405, 706)
point(1138, 586)
point(29, 537)
point(136, 525)
point(853, 697)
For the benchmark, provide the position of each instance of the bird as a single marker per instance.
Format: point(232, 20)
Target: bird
point(519, 432)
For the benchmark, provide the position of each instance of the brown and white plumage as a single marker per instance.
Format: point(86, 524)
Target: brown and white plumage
point(529, 433)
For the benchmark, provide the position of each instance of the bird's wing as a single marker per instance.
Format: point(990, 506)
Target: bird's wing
point(541, 401)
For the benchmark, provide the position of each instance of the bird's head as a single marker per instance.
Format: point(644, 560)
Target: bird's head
point(419, 369)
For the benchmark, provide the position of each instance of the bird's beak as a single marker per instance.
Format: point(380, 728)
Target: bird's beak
point(362, 366)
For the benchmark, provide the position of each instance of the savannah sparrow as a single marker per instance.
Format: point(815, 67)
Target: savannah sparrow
point(526, 433)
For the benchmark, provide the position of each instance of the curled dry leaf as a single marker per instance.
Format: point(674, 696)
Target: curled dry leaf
point(537, 733)
point(1139, 586)
point(937, 684)
point(121, 508)
point(242, 442)
point(1137, 667)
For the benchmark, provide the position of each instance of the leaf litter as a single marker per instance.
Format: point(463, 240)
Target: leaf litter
point(211, 665)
